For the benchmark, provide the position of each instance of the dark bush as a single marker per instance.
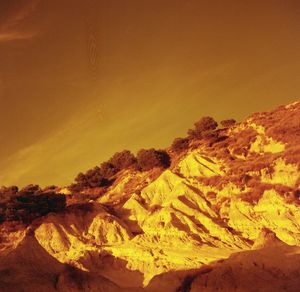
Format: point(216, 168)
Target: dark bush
point(192, 134)
point(209, 134)
point(180, 144)
point(150, 158)
point(10, 190)
point(27, 205)
point(107, 170)
point(204, 126)
point(95, 177)
point(50, 188)
point(123, 160)
point(228, 123)
point(81, 180)
point(102, 176)
point(30, 189)
point(7, 193)
point(75, 187)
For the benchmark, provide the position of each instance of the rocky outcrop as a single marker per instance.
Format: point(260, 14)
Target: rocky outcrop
point(224, 214)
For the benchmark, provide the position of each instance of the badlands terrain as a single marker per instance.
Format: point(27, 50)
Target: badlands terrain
point(222, 215)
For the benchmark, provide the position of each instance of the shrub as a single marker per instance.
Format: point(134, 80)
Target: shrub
point(30, 189)
point(192, 134)
point(102, 176)
point(180, 144)
point(51, 188)
point(7, 193)
point(25, 206)
point(107, 170)
point(123, 160)
point(203, 127)
point(81, 180)
point(210, 135)
point(75, 187)
point(9, 190)
point(150, 158)
point(206, 124)
point(95, 177)
point(228, 123)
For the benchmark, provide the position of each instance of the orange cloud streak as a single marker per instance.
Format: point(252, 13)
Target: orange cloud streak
point(10, 29)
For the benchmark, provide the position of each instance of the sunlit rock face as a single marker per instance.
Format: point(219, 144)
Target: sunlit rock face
point(224, 216)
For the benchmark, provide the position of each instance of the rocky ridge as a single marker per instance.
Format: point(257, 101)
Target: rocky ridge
point(223, 214)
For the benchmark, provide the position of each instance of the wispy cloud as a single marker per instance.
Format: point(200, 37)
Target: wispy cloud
point(11, 30)
point(15, 35)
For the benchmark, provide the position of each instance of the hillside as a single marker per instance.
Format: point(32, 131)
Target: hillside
point(222, 212)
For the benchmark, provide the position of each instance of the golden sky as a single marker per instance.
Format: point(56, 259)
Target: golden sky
point(80, 80)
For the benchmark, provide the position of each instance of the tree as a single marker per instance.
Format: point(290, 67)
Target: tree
point(192, 134)
point(107, 170)
point(228, 123)
point(204, 126)
point(81, 180)
point(30, 189)
point(122, 160)
point(9, 190)
point(180, 144)
point(51, 188)
point(7, 194)
point(30, 203)
point(150, 158)
point(95, 177)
